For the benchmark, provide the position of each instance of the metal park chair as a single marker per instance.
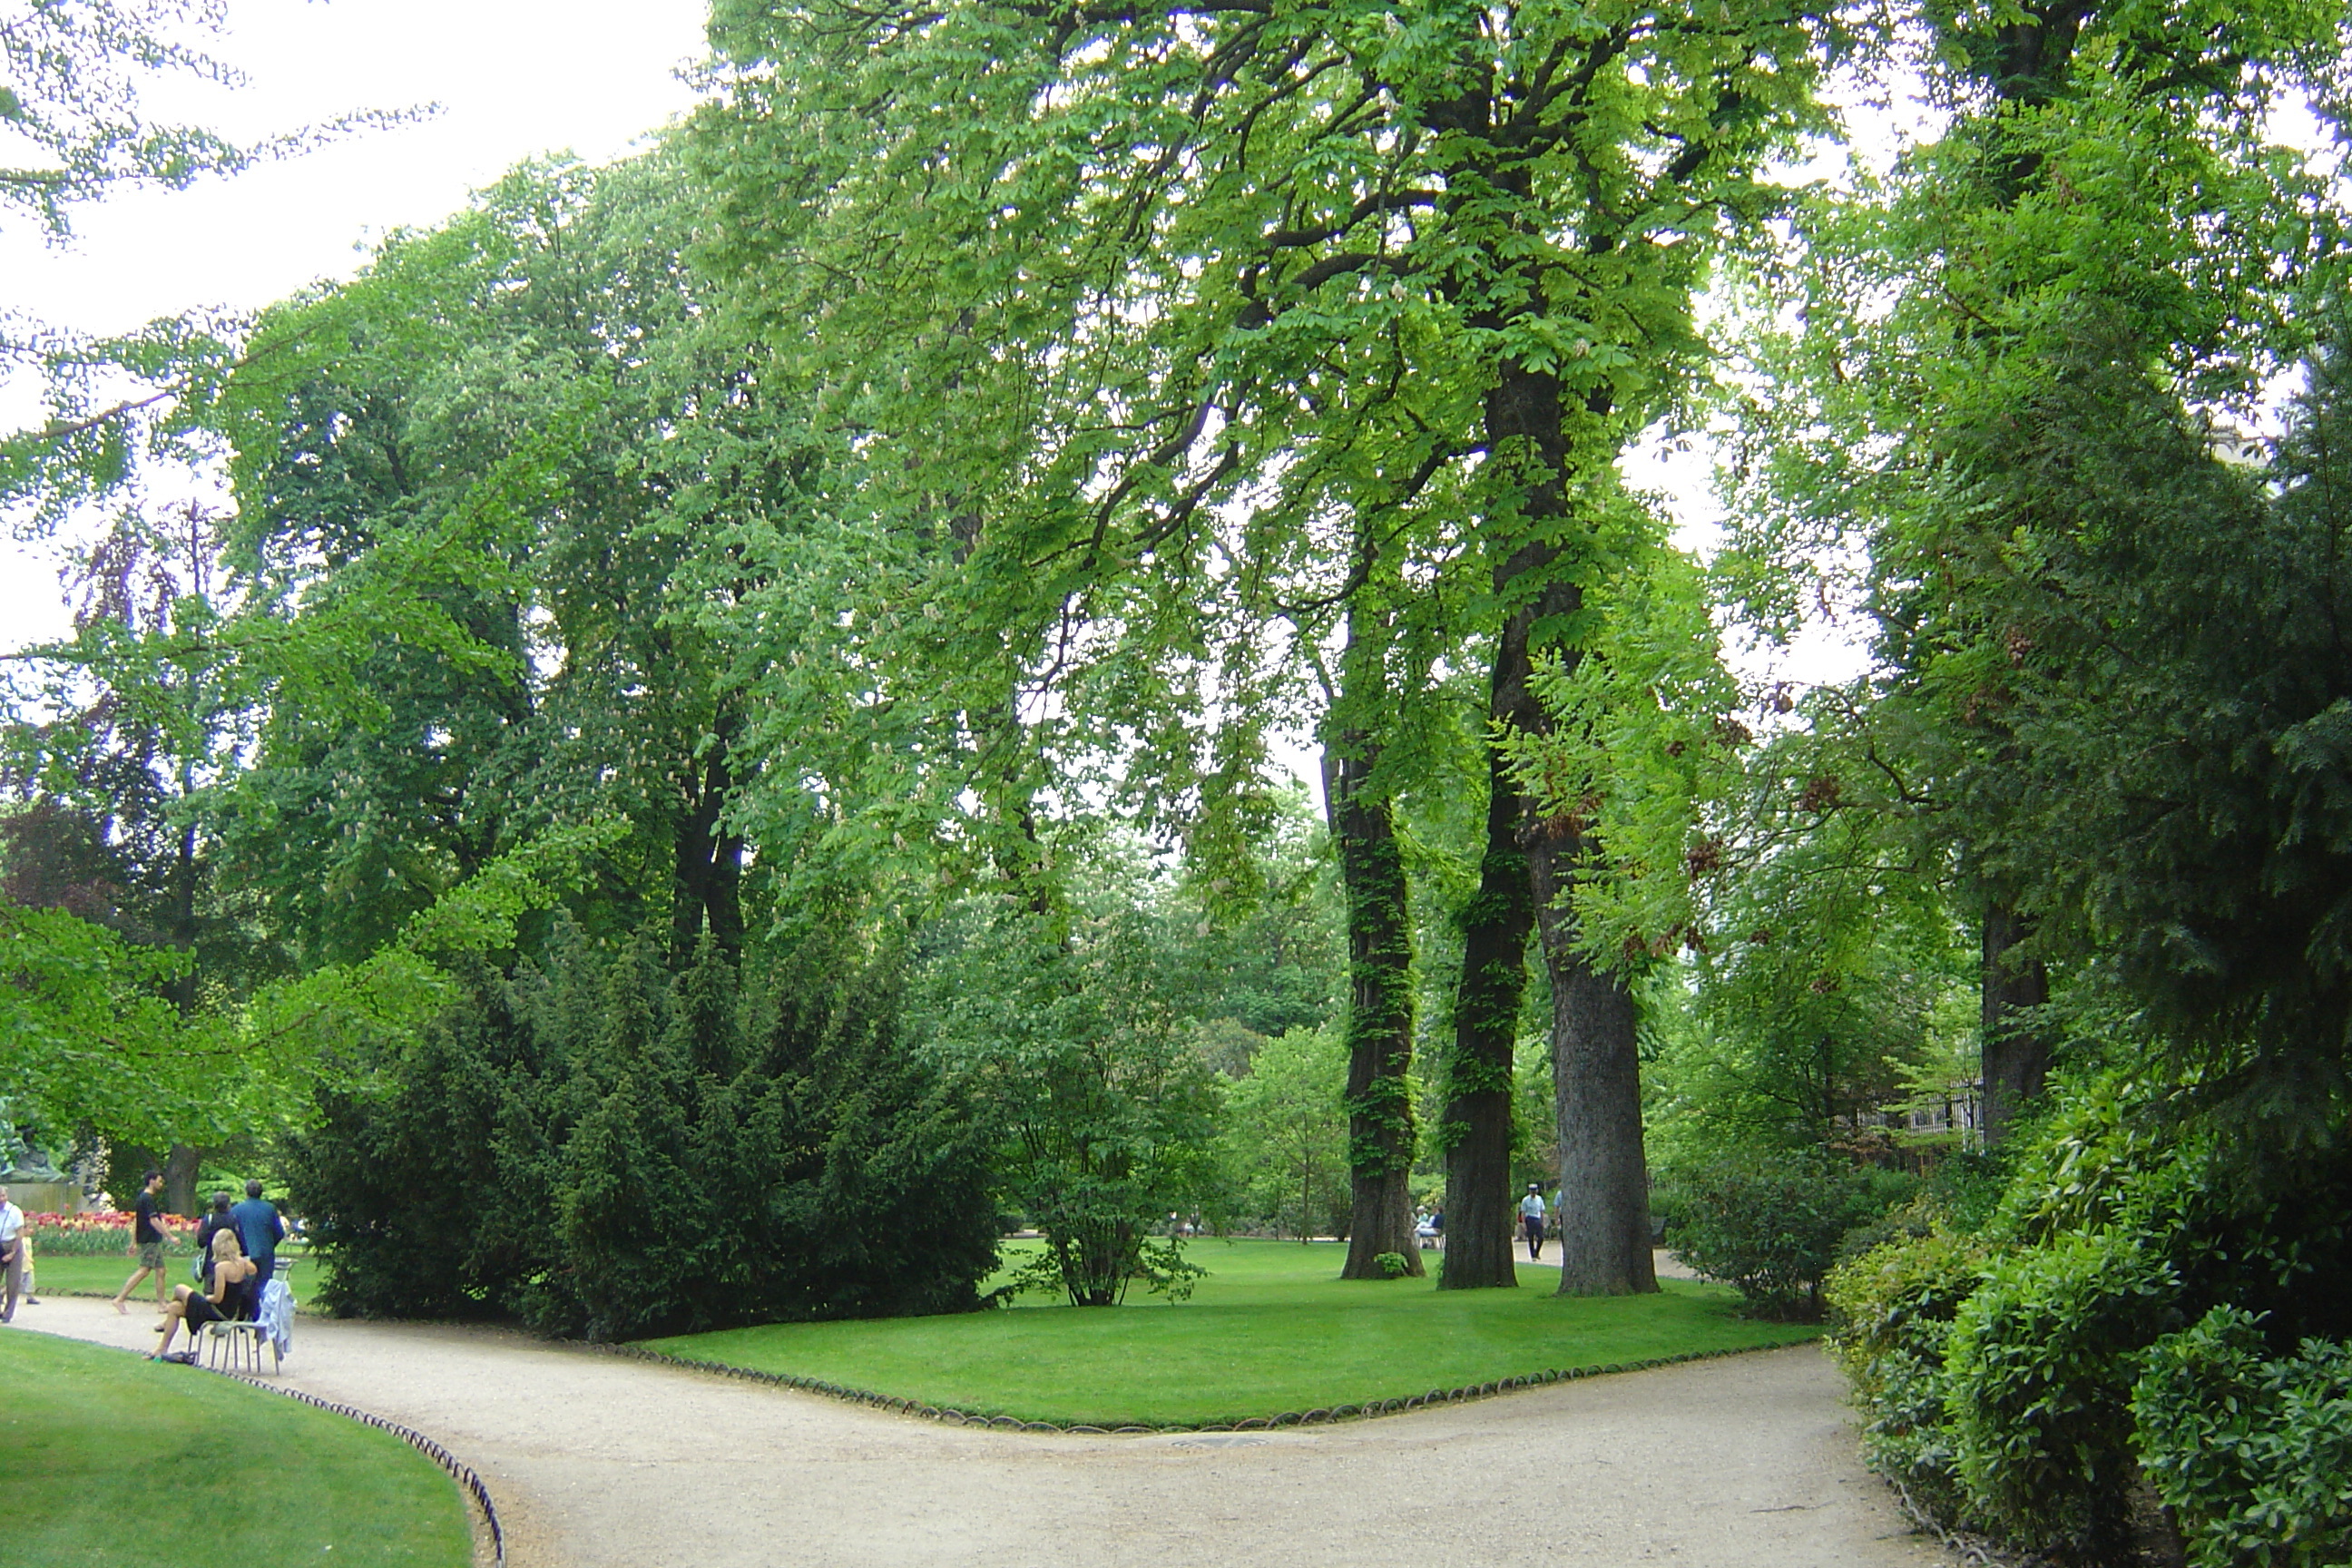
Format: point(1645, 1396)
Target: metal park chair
point(236, 1347)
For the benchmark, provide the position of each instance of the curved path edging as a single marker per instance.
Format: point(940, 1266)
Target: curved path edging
point(1320, 1416)
point(469, 1479)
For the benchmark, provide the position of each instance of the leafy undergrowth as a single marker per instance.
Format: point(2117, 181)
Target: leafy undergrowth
point(1271, 1329)
point(112, 1459)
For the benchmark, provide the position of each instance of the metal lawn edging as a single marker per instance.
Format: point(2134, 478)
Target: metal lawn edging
point(469, 1479)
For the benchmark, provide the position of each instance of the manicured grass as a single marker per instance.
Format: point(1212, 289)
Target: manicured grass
point(1272, 1329)
point(104, 1276)
point(107, 1459)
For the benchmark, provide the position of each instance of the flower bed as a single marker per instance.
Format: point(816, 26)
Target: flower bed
point(101, 1235)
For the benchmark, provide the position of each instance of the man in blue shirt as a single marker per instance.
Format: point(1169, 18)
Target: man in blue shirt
point(260, 1229)
point(1531, 1220)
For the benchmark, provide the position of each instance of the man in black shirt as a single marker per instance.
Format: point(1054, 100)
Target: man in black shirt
point(146, 1242)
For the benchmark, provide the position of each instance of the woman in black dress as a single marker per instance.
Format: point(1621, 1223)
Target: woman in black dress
point(232, 1275)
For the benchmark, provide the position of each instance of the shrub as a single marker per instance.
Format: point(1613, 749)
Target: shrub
point(2037, 1379)
point(1895, 1307)
point(2254, 1455)
point(1770, 1224)
point(1105, 1115)
point(600, 1148)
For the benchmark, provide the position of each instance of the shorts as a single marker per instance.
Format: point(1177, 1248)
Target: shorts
point(151, 1254)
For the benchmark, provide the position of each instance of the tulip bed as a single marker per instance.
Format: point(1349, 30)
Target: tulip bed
point(100, 1235)
point(1271, 1330)
point(116, 1460)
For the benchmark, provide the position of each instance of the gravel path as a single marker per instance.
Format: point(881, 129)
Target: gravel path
point(594, 1460)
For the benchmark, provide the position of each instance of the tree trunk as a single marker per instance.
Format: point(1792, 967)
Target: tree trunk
point(2032, 58)
point(708, 882)
point(1604, 1180)
point(179, 1169)
point(181, 989)
point(2016, 1052)
point(1380, 1010)
point(1495, 926)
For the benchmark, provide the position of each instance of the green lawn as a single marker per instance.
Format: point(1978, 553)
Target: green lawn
point(1272, 1329)
point(107, 1459)
point(104, 1276)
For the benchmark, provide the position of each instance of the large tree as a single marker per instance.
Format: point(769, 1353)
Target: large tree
point(1144, 306)
point(2102, 186)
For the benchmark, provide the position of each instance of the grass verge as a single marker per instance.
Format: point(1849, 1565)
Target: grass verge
point(1272, 1329)
point(111, 1459)
point(104, 1276)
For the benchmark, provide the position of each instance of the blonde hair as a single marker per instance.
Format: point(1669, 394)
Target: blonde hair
point(226, 1244)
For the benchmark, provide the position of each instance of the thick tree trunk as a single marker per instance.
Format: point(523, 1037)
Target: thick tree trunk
point(1604, 1203)
point(180, 1168)
point(1480, 1212)
point(1604, 1180)
point(2016, 1052)
point(1380, 1011)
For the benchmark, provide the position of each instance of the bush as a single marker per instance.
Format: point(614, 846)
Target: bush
point(2015, 1364)
point(600, 1148)
point(2037, 1378)
point(2254, 1455)
point(1105, 1116)
point(1770, 1224)
point(1895, 1308)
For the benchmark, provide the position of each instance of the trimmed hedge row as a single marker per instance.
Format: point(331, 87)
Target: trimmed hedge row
point(1320, 1416)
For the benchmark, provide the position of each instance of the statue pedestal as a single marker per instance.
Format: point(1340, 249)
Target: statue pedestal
point(47, 1198)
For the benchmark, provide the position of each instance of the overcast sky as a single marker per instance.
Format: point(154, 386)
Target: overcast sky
point(516, 79)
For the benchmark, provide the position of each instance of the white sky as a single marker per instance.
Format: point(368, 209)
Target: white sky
point(515, 79)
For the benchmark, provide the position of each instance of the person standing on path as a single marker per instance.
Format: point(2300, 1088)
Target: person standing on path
point(216, 1220)
point(1531, 1219)
point(12, 1255)
point(260, 1229)
point(146, 1244)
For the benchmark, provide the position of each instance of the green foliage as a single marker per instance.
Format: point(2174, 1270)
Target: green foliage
point(1771, 1223)
point(1895, 1307)
point(603, 1150)
point(1995, 1346)
point(1285, 1128)
point(2038, 1376)
point(96, 1043)
point(1075, 1038)
point(75, 76)
point(2252, 1452)
point(1393, 1265)
point(1642, 751)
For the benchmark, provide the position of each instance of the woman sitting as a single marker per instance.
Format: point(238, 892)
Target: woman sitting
point(232, 1275)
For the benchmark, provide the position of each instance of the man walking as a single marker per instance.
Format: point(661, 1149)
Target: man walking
point(258, 1227)
point(146, 1242)
point(1531, 1220)
point(12, 1255)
